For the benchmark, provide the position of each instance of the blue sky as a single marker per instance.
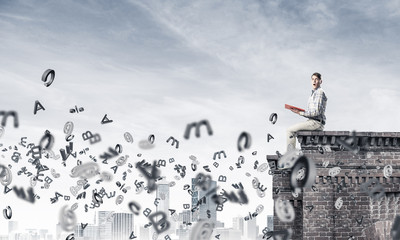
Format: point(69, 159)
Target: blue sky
point(154, 66)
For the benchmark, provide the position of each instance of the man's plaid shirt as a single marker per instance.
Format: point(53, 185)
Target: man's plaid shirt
point(316, 105)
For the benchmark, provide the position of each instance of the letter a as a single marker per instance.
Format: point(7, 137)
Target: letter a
point(38, 106)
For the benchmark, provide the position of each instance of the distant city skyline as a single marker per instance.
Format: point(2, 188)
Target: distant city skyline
point(120, 226)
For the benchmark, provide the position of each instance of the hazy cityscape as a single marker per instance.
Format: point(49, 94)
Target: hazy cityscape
point(112, 225)
point(122, 227)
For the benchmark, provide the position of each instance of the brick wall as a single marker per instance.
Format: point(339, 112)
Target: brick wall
point(360, 217)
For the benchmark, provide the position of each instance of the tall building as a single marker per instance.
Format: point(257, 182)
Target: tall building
point(183, 232)
point(185, 216)
point(119, 227)
point(105, 226)
point(58, 231)
point(144, 233)
point(270, 222)
point(238, 224)
point(12, 226)
point(88, 232)
point(250, 229)
point(49, 236)
point(43, 233)
point(122, 226)
point(78, 231)
point(163, 195)
point(207, 210)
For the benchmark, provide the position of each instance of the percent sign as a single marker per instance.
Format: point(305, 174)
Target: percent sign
point(83, 151)
point(76, 110)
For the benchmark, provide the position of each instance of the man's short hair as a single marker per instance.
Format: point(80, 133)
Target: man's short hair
point(318, 75)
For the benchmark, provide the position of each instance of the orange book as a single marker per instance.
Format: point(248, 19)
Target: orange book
point(290, 107)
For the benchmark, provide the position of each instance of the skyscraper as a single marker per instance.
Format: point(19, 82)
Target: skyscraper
point(163, 204)
point(250, 229)
point(58, 230)
point(122, 226)
point(183, 232)
point(163, 195)
point(12, 226)
point(207, 209)
point(144, 233)
point(89, 231)
point(104, 225)
point(43, 233)
point(270, 222)
point(238, 224)
point(185, 216)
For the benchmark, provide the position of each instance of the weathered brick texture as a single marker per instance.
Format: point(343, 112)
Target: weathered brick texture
point(360, 217)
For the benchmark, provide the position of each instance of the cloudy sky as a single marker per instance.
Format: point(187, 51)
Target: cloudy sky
point(155, 66)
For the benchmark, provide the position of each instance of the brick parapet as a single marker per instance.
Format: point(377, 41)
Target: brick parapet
point(324, 221)
point(369, 141)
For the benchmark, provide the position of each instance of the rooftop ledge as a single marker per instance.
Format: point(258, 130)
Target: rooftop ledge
point(313, 140)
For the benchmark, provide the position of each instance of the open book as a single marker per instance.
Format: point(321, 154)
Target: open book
point(287, 106)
